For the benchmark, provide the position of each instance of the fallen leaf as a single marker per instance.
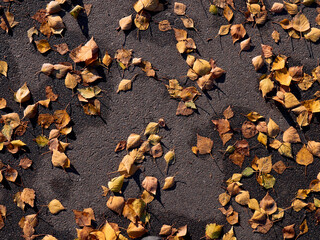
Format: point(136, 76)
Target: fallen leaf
point(213, 231)
point(204, 144)
point(124, 85)
point(28, 196)
point(288, 232)
point(291, 8)
point(227, 13)
point(115, 184)
point(136, 230)
point(164, 26)
point(237, 32)
point(224, 29)
point(55, 206)
point(275, 36)
point(150, 184)
point(116, 203)
point(169, 182)
point(25, 163)
point(179, 8)
point(60, 159)
point(279, 167)
point(156, 151)
point(291, 135)
point(300, 23)
point(23, 94)
point(3, 68)
point(257, 62)
point(304, 157)
point(268, 204)
point(248, 129)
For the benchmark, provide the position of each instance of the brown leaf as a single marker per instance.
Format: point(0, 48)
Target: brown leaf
point(62, 48)
point(277, 7)
point(25, 163)
point(228, 113)
point(164, 26)
point(61, 118)
point(156, 151)
point(87, 53)
point(279, 167)
point(257, 62)
point(183, 109)
point(116, 203)
point(28, 195)
point(268, 204)
point(204, 144)
point(179, 8)
point(248, 129)
point(291, 135)
point(150, 184)
point(10, 174)
point(84, 218)
point(237, 158)
point(245, 45)
point(40, 16)
point(123, 56)
point(50, 95)
point(288, 232)
point(237, 32)
point(266, 51)
point(120, 146)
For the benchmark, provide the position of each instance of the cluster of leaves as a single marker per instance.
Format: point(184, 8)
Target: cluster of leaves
point(134, 209)
point(265, 212)
point(279, 82)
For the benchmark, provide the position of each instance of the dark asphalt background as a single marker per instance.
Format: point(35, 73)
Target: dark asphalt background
point(194, 201)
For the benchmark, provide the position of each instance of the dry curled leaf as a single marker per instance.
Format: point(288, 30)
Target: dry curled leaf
point(150, 184)
point(237, 32)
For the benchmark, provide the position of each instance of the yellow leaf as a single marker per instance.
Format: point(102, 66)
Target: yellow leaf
point(55, 206)
point(201, 67)
point(262, 138)
point(254, 204)
point(313, 35)
point(266, 86)
point(283, 77)
point(168, 183)
point(224, 198)
point(59, 159)
point(124, 85)
point(291, 8)
point(300, 23)
point(3, 68)
point(279, 63)
point(43, 45)
point(304, 157)
point(23, 94)
point(213, 231)
point(224, 29)
point(116, 183)
point(298, 205)
point(227, 13)
point(243, 198)
point(290, 100)
point(273, 128)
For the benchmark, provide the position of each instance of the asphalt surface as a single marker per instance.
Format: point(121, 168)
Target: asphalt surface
point(194, 201)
